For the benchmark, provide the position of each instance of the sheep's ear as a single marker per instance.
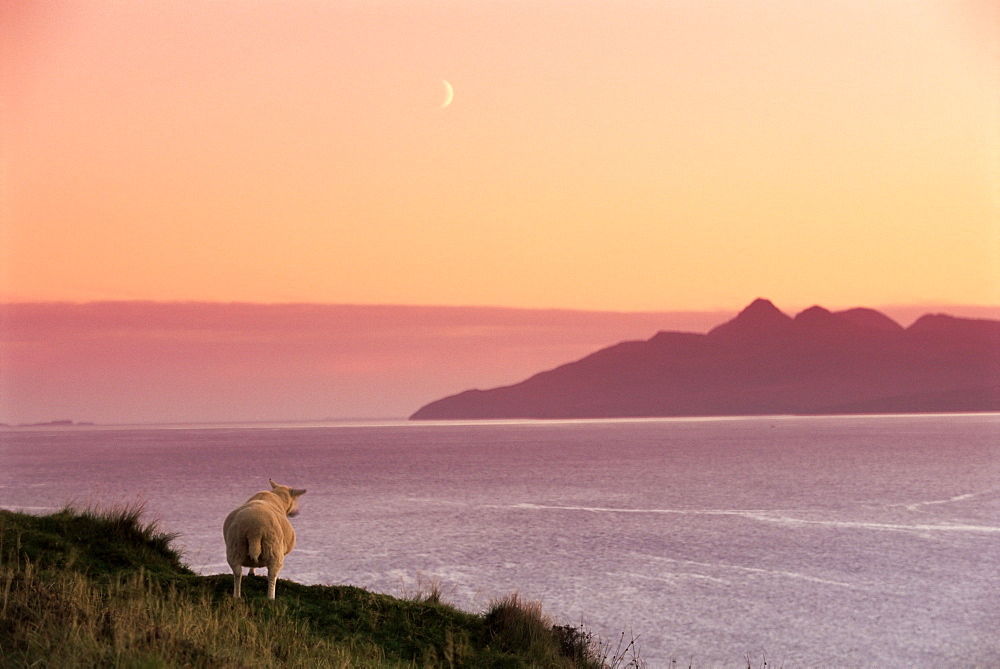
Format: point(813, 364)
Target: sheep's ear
point(295, 493)
point(273, 484)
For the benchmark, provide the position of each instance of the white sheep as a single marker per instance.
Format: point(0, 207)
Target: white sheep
point(258, 534)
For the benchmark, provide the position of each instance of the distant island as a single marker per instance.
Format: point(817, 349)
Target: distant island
point(51, 423)
point(764, 362)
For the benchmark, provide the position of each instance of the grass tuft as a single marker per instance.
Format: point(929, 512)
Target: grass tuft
point(428, 591)
point(126, 524)
point(519, 626)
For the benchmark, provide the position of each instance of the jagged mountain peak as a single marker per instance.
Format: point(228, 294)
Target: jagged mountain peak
point(814, 314)
point(759, 317)
point(761, 308)
point(869, 318)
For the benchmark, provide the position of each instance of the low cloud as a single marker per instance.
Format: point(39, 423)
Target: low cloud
point(141, 362)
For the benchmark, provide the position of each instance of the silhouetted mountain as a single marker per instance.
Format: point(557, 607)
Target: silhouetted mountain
point(764, 362)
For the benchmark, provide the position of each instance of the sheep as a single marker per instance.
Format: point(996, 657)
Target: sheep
point(258, 534)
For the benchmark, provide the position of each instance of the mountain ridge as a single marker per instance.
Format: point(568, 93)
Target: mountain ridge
point(763, 362)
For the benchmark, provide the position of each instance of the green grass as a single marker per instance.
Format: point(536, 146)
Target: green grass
point(89, 588)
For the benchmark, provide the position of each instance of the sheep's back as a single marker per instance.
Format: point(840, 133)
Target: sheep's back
point(256, 518)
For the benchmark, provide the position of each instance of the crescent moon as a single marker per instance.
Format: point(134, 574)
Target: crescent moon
point(449, 94)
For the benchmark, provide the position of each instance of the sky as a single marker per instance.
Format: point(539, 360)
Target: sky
point(448, 194)
point(631, 156)
point(149, 362)
point(203, 362)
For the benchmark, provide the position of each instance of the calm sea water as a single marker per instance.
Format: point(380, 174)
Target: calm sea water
point(835, 541)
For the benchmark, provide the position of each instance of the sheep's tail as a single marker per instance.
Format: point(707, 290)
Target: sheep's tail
point(254, 551)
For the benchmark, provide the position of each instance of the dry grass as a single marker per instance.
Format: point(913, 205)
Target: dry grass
point(520, 627)
point(103, 589)
point(52, 619)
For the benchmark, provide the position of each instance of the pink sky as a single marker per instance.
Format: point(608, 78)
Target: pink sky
point(144, 362)
point(147, 362)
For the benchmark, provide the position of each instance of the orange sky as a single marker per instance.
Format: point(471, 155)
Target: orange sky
point(650, 155)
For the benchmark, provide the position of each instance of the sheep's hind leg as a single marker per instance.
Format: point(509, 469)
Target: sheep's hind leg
point(272, 578)
point(237, 578)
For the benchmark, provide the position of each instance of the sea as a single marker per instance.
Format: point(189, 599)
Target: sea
point(846, 541)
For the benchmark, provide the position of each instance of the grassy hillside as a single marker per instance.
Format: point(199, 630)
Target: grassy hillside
point(89, 588)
